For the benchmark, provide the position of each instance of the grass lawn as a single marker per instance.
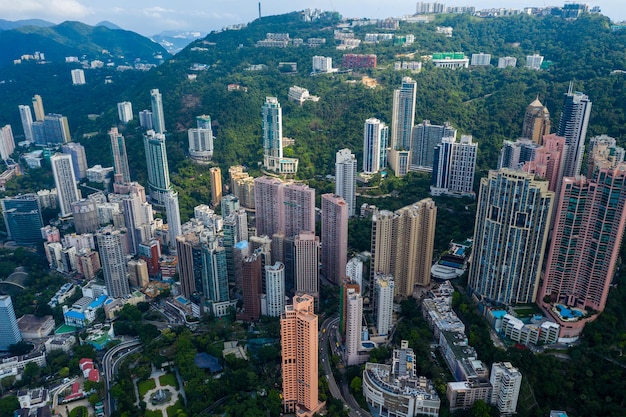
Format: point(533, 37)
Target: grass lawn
point(145, 386)
point(153, 413)
point(168, 379)
point(173, 410)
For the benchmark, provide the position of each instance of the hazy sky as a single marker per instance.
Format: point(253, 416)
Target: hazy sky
point(151, 17)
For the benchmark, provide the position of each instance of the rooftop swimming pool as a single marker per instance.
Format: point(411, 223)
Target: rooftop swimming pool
point(568, 313)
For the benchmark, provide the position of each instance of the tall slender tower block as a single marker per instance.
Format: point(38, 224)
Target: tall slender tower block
point(510, 235)
point(573, 127)
point(158, 170)
point(27, 122)
point(334, 237)
point(158, 119)
point(536, 122)
point(216, 185)
point(9, 331)
point(113, 262)
point(402, 121)
point(299, 343)
point(40, 114)
point(307, 249)
point(65, 181)
point(375, 142)
point(120, 157)
point(345, 178)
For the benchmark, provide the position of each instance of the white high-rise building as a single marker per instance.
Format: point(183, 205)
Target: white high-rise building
point(375, 142)
point(275, 289)
point(201, 140)
point(158, 118)
point(573, 127)
point(173, 216)
point(507, 61)
point(65, 181)
point(322, 64)
point(7, 143)
point(27, 122)
point(79, 158)
point(78, 76)
point(454, 166)
point(354, 271)
point(534, 61)
point(383, 295)
point(354, 320)
point(125, 111)
point(273, 159)
point(113, 260)
point(345, 178)
point(506, 381)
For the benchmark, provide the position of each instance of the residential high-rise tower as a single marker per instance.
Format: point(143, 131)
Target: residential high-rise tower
point(345, 178)
point(65, 182)
point(375, 142)
point(158, 170)
point(573, 127)
point(113, 261)
point(9, 331)
point(402, 121)
point(334, 237)
point(510, 234)
point(536, 122)
point(158, 118)
point(120, 157)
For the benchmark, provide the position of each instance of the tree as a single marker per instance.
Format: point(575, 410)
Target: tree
point(93, 399)
point(8, 405)
point(356, 384)
point(31, 373)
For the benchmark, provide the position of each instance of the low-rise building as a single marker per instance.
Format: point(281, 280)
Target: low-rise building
point(450, 60)
point(83, 311)
point(33, 327)
point(396, 391)
point(60, 342)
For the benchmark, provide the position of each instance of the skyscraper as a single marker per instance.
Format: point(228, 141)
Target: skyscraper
point(454, 166)
point(402, 121)
point(354, 320)
point(9, 331)
point(172, 210)
point(286, 208)
point(158, 119)
point(334, 237)
point(425, 137)
point(85, 215)
point(514, 155)
point(79, 159)
point(7, 142)
point(158, 170)
point(307, 249)
point(375, 142)
point(251, 287)
point(113, 261)
point(273, 159)
point(145, 119)
point(585, 247)
point(272, 132)
point(214, 273)
point(506, 381)
point(536, 122)
point(573, 127)
point(402, 245)
point(189, 252)
point(201, 140)
point(65, 182)
point(510, 234)
point(275, 289)
point(27, 121)
point(56, 129)
point(125, 111)
point(548, 161)
point(38, 108)
point(229, 204)
point(345, 178)
point(384, 289)
point(22, 218)
point(120, 157)
point(299, 345)
point(216, 185)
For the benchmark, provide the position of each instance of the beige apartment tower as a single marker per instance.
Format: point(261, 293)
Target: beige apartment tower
point(307, 250)
point(299, 343)
point(216, 185)
point(536, 122)
point(402, 245)
point(335, 213)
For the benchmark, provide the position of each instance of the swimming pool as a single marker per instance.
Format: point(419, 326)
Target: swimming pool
point(568, 313)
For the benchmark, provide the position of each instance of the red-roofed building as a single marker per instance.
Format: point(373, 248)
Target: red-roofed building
point(94, 375)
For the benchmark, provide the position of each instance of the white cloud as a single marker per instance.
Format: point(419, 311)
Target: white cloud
point(56, 9)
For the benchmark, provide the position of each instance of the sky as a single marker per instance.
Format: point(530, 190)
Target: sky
point(149, 17)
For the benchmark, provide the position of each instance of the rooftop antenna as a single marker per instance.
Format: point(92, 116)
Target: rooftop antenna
point(259, 10)
point(571, 88)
